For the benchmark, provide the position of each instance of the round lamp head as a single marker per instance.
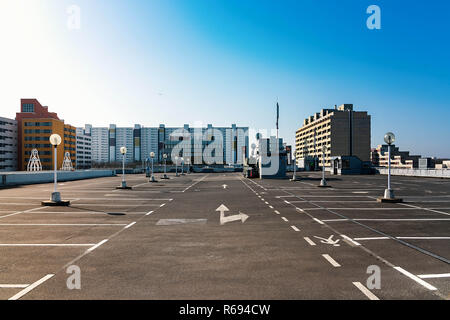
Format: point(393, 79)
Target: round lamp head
point(55, 139)
point(152, 154)
point(123, 150)
point(176, 158)
point(165, 156)
point(389, 138)
point(182, 159)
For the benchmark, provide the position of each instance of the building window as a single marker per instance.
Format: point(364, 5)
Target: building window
point(28, 107)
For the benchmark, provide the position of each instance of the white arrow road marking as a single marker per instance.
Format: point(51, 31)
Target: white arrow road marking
point(222, 208)
point(224, 186)
point(329, 240)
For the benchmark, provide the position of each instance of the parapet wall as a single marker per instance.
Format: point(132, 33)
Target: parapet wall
point(23, 177)
point(431, 173)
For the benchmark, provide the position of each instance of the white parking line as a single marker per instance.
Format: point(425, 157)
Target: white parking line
point(431, 276)
point(406, 238)
point(270, 207)
point(46, 244)
point(31, 287)
point(96, 246)
point(149, 213)
point(350, 239)
point(295, 228)
point(19, 212)
point(277, 212)
point(284, 219)
point(372, 238)
point(14, 285)
point(162, 205)
point(129, 225)
point(425, 219)
point(307, 239)
point(318, 221)
point(331, 260)
point(64, 224)
point(366, 291)
point(415, 278)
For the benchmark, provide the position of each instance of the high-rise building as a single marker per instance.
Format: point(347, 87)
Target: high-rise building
point(100, 143)
point(35, 124)
point(84, 149)
point(342, 130)
point(8, 144)
point(140, 141)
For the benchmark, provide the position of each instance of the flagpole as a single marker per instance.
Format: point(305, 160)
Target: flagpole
point(278, 115)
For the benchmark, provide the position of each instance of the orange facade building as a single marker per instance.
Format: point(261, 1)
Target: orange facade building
point(35, 124)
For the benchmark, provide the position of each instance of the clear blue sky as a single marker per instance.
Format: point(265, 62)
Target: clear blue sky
point(223, 62)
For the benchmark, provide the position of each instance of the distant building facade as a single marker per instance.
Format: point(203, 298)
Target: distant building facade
point(8, 144)
point(190, 142)
point(84, 149)
point(35, 124)
point(399, 159)
point(342, 130)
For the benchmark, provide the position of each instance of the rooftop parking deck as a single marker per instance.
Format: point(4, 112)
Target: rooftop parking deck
point(166, 240)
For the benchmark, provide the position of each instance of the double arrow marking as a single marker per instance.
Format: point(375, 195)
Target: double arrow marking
point(241, 216)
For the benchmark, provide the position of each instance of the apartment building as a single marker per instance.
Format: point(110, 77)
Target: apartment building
point(343, 131)
point(140, 141)
point(84, 149)
point(8, 144)
point(35, 124)
point(399, 159)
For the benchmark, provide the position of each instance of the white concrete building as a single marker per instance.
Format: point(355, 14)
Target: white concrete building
point(83, 150)
point(140, 141)
point(8, 144)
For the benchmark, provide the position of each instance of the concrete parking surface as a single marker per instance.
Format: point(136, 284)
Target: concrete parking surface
point(165, 240)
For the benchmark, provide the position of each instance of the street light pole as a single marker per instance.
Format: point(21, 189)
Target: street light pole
point(55, 200)
point(182, 166)
point(389, 138)
point(323, 182)
point(123, 151)
point(176, 167)
point(152, 155)
point(55, 183)
point(165, 162)
point(389, 168)
point(294, 177)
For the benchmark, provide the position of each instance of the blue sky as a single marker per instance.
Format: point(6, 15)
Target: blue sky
point(223, 62)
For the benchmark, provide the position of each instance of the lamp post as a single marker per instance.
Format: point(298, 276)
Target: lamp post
point(147, 167)
point(389, 138)
point(176, 167)
point(55, 200)
point(152, 155)
point(182, 165)
point(294, 176)
point(123, 151)
point(188, 162)
point(165, 160)
point(323, 182)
